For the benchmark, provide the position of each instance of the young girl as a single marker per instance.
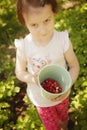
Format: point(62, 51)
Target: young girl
point(42, 46)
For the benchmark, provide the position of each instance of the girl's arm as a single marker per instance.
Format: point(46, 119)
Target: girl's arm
point(21, 73)
point(72, 62)
point(74, 68)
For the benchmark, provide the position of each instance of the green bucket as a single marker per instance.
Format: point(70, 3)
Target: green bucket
point(58, 73)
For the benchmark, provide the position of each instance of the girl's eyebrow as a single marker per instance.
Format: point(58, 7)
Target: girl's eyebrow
point(48, 17)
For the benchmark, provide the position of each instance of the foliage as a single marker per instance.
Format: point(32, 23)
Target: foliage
point(9, 24)
point(75, 21)
point(30, 121)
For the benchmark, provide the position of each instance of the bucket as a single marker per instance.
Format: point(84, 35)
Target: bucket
point(58, 73)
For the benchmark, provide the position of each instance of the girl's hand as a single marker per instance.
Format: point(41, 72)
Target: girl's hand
point(62, 97)
point(34, 79)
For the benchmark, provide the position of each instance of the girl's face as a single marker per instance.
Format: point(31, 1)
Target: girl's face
point(40, 23)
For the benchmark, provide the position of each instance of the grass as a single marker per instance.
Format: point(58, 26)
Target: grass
point(72, 19)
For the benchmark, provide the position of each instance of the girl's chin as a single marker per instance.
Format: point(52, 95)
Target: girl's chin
point(44, 41)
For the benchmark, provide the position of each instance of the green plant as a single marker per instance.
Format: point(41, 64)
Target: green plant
point(31, 119)
point(75, 21)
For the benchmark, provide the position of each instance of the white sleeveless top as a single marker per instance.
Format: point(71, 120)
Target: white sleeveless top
point(39, 56)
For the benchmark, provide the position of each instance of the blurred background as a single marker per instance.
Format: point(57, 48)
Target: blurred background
point(16, 111)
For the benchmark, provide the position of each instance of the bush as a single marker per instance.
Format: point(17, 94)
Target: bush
point(10, 88)
point(75, 21)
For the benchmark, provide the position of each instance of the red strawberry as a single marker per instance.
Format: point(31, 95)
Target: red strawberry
point(51, 85)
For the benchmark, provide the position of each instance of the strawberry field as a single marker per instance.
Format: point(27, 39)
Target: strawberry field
point(16, 110)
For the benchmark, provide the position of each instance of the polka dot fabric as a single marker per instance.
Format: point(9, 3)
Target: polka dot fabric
point(51, 116)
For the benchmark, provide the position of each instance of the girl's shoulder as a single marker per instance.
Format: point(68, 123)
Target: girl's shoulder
point(20, 43)
point(61, 34)
point(62, 38)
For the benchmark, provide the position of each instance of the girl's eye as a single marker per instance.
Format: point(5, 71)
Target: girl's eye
point(34, 25)
point(47, 20)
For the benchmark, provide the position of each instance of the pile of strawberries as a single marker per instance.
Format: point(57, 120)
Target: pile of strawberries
point(51, 86)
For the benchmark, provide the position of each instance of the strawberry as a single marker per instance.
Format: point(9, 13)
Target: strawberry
point(51, 85)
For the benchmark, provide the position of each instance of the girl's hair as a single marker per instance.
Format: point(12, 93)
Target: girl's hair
point(23, 5)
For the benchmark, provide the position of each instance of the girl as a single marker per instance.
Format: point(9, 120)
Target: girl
point(42, 46)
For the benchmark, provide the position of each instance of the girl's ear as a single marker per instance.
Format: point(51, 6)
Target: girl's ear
point(55, 14)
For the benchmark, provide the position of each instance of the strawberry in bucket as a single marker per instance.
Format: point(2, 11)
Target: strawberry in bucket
point(51, 86)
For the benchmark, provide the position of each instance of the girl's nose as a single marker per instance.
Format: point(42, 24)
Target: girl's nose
point(42, 30)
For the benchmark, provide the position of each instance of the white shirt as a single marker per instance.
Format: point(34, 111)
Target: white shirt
point(39, 56)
